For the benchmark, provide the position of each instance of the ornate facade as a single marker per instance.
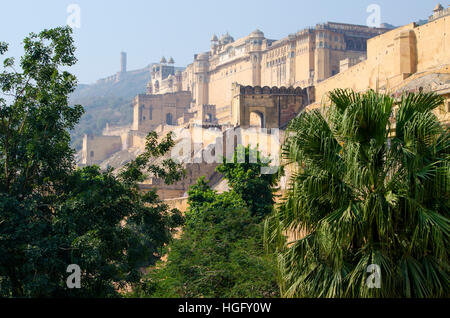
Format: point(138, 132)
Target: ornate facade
point(299, 60)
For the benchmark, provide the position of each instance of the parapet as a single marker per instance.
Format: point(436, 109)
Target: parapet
point(307, 92)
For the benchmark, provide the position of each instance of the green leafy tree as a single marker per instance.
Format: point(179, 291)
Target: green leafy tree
point(366, 192)
point(53, 215)
point(245, 178)
point(221, 252)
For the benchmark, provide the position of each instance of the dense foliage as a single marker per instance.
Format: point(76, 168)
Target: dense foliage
point(366, 192)
point(220, 252)
point(53, 215)
point(246, 179)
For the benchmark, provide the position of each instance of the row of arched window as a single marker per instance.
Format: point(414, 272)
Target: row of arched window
point(279, 61)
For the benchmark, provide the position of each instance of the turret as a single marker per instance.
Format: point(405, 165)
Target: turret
point(214, 44)
point(123, 62)
point(226, 39)
point(438, 8)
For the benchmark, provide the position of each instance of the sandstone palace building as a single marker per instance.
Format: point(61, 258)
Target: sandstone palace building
point(264, 83)
point(299, 60)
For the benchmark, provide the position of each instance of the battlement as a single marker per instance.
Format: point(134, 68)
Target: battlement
point(267, 107)
point(266, 90)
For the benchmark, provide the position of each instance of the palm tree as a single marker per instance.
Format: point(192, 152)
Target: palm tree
point(366, 193)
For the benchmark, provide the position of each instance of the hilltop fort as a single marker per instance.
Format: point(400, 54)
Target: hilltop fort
point(260, 84)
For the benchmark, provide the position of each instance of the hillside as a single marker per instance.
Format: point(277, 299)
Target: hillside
point(108, 101)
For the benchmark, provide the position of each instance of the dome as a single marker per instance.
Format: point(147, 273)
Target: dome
point(257, 34)
point(214, 38)
point(226, 38)
point(163, 60)
point(171, 61)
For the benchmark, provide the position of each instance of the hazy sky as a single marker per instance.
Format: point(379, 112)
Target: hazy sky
point(146, 30)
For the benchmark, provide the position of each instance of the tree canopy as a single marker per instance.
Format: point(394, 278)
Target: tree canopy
point(52, 214)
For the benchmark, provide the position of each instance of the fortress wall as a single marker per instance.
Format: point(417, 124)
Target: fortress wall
point(354, 78)
point(178, 203)
point(433, 44)
point(115, 130)
point(137, 140)
point(163, 193)
point(122, 132)
point(393, 56)
point(98, 148)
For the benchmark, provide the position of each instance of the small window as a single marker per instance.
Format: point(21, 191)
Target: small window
point(169, 119)
point(92, 153)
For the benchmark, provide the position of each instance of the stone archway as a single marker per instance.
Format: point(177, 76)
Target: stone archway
point(257, 119)
point(169, 119)
point(266, 107)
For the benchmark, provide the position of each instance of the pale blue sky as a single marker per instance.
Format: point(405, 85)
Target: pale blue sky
point(146, 30)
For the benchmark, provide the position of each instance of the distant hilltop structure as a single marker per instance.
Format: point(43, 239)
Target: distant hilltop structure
point(123, 62)
point(123, 73)
point(439, 12)
point(164, 78)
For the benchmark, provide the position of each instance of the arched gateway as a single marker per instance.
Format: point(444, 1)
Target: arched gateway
point(265, 107)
